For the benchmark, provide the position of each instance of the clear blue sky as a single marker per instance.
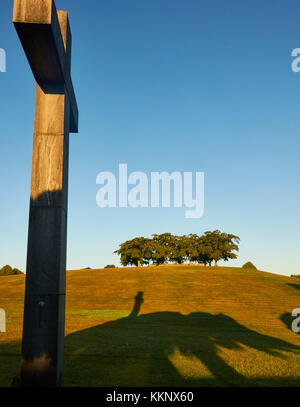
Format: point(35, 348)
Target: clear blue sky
point(168, 85)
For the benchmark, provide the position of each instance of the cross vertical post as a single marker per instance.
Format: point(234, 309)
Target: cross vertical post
point(45, 36)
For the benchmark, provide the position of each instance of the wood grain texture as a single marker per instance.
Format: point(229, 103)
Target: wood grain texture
point(33, 11)
point(46, 39)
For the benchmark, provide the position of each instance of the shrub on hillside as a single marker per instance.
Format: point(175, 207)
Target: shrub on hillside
point(16, 271)
point(110, 266)
point(7, 271)
point(249, 265)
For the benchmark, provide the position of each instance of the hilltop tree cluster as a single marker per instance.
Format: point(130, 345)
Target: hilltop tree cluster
point(8, 270)
point(164, 248)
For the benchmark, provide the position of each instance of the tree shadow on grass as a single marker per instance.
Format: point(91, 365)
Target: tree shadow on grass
point(10, 357)
point(297, 286)
point(138, 351)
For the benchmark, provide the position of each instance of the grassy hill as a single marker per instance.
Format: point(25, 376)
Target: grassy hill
point(185, 325)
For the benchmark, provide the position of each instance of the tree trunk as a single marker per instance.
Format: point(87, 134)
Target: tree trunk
point(165, 260)
point(190, 260)
point(139, 263)
point(216, 263)
point(209, 263)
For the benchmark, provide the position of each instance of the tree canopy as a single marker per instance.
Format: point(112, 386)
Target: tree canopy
point(136, 252)
point(249, 265)
point(8, 270)
point(209, 247)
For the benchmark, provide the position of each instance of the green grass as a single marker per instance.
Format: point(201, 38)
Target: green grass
point(188, 326)
point(176, 282)
point(101, 314)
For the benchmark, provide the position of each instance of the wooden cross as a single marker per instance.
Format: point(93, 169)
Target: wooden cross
point(45, 36)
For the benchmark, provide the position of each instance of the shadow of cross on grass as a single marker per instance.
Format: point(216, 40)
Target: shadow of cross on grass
point(137, 350)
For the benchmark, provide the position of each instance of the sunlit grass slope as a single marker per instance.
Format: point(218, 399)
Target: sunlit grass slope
point(172, 325)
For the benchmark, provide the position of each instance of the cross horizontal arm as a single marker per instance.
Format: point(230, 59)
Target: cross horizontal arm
point(39, 31)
